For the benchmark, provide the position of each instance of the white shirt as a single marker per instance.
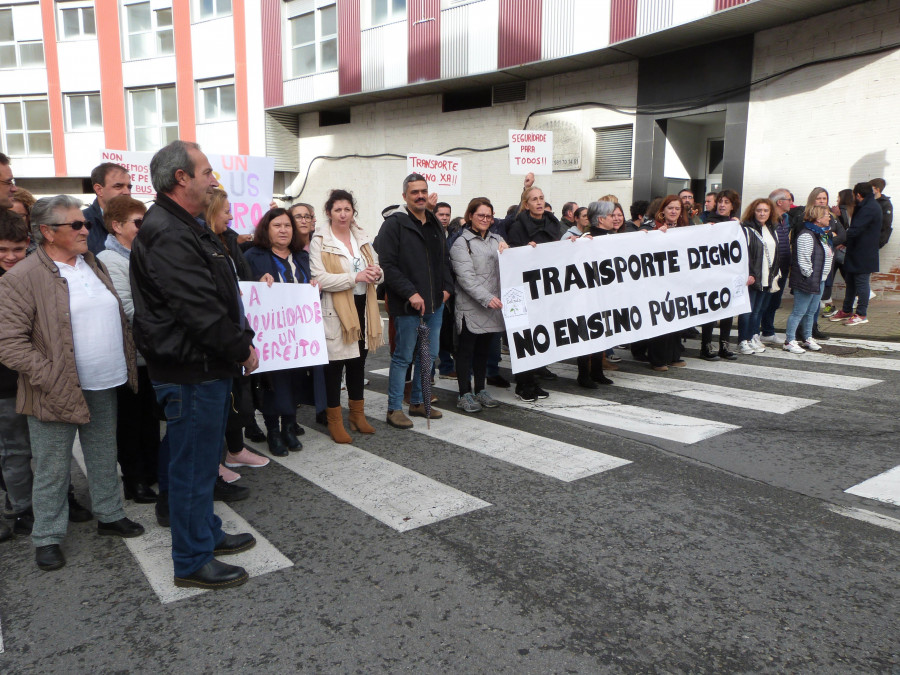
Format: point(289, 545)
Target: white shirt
point(357, 262)
point(96, 328)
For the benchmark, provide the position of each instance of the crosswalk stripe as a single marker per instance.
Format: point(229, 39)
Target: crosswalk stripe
point(866, 516)
point(885, 487)
point(153, 549)
point(398, 497)
point(701, 391)
point(776, 352)
point(543, 455)
point(628, 418)
point(776, 375)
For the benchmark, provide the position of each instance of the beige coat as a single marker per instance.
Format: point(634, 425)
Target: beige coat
point(323, 241)
point(36, 339)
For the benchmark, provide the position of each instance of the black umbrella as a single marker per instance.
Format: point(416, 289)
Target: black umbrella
point(425, 367)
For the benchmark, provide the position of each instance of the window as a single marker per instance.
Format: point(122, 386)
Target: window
point(216, 101)
point(153, 115)
point(76, 20)
point(149, 32)
point(211, 9)
point(25, 127)
point(83, 112)
point(613, 152)
point(314, 41)
point(17, 53)
point(387, 11)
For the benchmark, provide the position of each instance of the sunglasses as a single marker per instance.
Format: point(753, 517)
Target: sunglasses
point(75, 224)
point(137, 222)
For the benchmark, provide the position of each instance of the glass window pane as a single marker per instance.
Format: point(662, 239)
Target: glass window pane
point(163, 18)
point(399, 9)
point(140, 46)
point(31, 53)
point(39, 144)
point(206, 8)
point(210, 103)
point(328, 17)
point(165, 42)
point(7, 56)
point(70, 24)
point(143, 108)
point(304, 60)
point(329, 54)
point(170, 134)
point(78, 113)
point(379, 11)
point(13, 115)
point(95, 114)
point(6, 26)
point(138, 17)
point(37, 115)
point(15, 144)
point(303, 29)
point(169, 105)
point(146, 139)
point(87, 16)
point(224, 7)
point(226, 101)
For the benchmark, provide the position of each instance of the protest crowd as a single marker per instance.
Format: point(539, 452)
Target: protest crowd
point(119, 317)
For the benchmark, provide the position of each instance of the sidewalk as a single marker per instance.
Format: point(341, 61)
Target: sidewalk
point(883, 315)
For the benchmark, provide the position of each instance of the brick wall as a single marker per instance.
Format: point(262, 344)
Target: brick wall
point(834, 124)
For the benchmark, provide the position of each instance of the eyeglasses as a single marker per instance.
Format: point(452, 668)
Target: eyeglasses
point(137, 222)
point(75, 224)
point(11, 181)
point(303, 217)
point(483, 216)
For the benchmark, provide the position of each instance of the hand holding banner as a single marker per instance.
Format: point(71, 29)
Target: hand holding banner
point(573, 298)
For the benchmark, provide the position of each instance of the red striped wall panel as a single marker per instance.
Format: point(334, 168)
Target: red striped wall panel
point(519, 39)
point(349, 47)
point(725, 4)
point(424, 26)
point(273, 82)
point(622, 20)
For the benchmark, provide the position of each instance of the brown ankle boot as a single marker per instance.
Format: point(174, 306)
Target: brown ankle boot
point(358, 421)
point(336, 425)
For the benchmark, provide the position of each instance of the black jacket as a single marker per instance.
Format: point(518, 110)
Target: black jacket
point(262, 262)
point(414, 258)
point(187, 312)
point(756, 253)
point(862, 238)
point(97, 235)
point(241, 266)
point(524, 229)
point(887, 219)
point(9, 379)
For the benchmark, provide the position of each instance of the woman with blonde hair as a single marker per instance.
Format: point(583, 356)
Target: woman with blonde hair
point(346, 266)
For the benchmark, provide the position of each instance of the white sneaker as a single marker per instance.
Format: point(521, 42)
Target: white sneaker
point(757, 345)
point(746, 348)
point(769, 339)
point(794, 347)
point(812, 345)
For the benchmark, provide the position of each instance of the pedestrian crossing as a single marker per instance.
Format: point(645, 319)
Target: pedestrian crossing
point(403, 499)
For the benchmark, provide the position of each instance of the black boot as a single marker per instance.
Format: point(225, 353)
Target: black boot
point(287, 433)
point(817, 334)
point(77, 513)
point(726, 353)
point(252, 432)
point(708, 353)
point(162, 509)
point(139, 492)
point(597, 372)
point(322, 418)
point(584, 373)
point(275, 441)
point(229, 492)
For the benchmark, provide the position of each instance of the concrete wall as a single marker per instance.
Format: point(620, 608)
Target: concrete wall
point(830, 125)
point(418, 125)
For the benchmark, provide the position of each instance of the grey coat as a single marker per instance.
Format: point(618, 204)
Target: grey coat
point(477, 269)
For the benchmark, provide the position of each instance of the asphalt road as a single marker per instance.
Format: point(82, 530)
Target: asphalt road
point(731, 553)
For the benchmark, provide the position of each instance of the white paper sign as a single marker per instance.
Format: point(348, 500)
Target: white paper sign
point(530, 151)
point(247, 180)
point(572, 298)
point(287, 320)
point(444, 174)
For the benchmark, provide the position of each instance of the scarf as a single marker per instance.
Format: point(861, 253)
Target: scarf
point(821, 231)
point(345, 305)
point(112, 244)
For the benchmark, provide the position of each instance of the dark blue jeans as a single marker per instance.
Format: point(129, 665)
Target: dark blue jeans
point(857, 287)
point(493, 361)
point(748, 324)
point(195, 429)
point(767, 316)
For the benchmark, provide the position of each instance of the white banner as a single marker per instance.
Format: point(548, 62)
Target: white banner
point(444, 174)
point(247, 180)
point(530, 152)
point(572, 298)
point(287, 319)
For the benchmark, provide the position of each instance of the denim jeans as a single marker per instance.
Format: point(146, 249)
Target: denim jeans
point(195, 428)
point(406, 330)
point(857, 287)
point(493, 361)
point(748, 324)
point(806, 309)
point(767, 316)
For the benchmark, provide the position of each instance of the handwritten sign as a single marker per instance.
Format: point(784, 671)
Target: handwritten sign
point(444, 174)
point(247, 180)
point(287, 320)
point(530, 152)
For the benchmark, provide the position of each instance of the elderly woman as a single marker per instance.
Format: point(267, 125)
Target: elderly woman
point(278, 252)
point(65, 332)
point(478, 316)
point(137, 428)
point(345, 265)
